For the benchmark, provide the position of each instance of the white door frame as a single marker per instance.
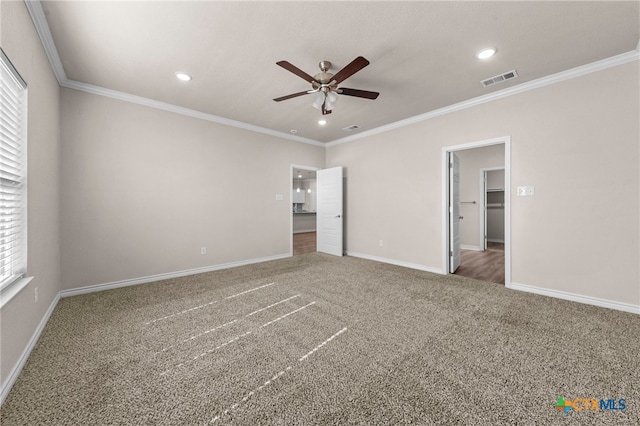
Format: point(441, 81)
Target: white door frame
point(506, 140)
point(483, 207)
point(291, 169)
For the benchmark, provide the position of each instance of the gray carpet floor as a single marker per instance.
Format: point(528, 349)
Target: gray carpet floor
point(319, 340)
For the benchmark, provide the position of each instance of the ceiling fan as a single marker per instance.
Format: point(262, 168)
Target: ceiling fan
point(325, 84)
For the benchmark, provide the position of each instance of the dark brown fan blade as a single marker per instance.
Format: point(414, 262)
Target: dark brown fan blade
point(297, 71)
point(293, 95)
point(356, 65)
point(358, 93)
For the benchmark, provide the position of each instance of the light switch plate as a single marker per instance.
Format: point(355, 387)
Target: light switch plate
point(526, 191)
point(279, 197)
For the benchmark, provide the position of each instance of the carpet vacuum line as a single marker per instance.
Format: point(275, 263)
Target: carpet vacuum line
point(198, 335)
point(189, 361)
point(274, 378)
point(286, 315)
point(195, 336)
point(206, 304)
point(235, 339)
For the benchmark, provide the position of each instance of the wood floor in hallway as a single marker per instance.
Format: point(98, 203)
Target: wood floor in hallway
point(485, 265)
point(304, 242)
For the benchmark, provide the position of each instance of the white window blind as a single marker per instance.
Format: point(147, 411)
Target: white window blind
point(13, 174)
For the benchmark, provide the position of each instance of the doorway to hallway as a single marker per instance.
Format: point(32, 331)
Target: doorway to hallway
point(468, 205)
point(303, 209)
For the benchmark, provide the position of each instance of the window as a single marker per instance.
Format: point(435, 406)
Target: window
point(13, 177)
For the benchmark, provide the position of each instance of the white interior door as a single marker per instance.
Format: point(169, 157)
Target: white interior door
point(329, 211)
point(454, 212)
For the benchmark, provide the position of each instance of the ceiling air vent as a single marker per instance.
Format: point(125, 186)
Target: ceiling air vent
point(499, 78)
point(351, 128)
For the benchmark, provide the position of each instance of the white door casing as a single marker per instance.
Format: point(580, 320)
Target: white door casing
point(483, 209)
point(446, 228)
point(329, 211)
point(454, 211)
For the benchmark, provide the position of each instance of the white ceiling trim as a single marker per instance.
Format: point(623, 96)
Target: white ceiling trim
point(42, 27)
point(614, 61)
point(140, 100)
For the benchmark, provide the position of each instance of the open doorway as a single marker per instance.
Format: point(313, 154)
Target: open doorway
point(492, 208)
point(303, 210)
point(476, 217)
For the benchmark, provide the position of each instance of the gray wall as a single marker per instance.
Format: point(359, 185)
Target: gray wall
point(22, 315)
point(145, 189)
point(576, 141)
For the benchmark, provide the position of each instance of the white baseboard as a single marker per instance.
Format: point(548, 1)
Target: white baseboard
point(302, 231)
point(15, 371)
point(152, 278)
point(397, 262)
point(588, 300)
point(474, 248)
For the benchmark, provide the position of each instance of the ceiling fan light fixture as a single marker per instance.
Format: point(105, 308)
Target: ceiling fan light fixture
point(331, 99)
point(318, 100)
point(325, 84)
point(486, 53)
point(183, 76)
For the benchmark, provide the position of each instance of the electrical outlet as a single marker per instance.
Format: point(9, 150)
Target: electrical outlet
point(203, 250)
point(35, 295)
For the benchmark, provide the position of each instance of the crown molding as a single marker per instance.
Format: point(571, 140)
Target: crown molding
point(44, 32)
point(603, 64)
point(42, 27)
point(140, 100)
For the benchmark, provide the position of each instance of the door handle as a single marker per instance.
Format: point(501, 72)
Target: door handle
point(460, 217)
point(338, 217)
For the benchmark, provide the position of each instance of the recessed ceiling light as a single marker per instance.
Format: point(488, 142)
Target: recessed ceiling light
point(293, 131)
point(486, 53)
point(322, 122)
point(183, 76)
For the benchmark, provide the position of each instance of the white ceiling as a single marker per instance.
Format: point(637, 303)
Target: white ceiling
point(422, 54)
